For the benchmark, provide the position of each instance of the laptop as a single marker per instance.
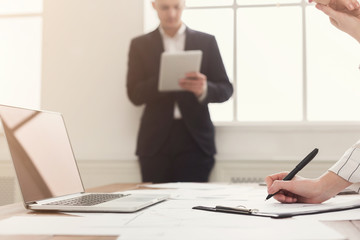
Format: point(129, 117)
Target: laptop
point(47, 171)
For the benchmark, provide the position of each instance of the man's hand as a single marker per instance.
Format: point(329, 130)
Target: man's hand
point(194, 82)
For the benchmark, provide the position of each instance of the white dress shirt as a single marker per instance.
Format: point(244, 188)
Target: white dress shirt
point(348, 166)
point(177, 44)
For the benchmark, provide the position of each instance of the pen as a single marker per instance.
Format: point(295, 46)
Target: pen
point(298, 167)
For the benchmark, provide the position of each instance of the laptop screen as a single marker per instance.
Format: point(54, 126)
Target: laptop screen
point(41, 152)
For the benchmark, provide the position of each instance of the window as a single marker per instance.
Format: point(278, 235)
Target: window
point(286, 61)
point(20, 52)
point(269, 72)
point(333, 75)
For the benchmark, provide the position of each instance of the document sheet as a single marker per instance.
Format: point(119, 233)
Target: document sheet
point(175, 218)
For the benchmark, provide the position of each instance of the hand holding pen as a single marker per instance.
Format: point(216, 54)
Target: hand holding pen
point(305, 190)
point(275, 186)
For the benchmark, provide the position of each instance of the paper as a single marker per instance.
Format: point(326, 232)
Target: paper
point(185, 185)
point(333, 203)
point(156, 226)
point(188, 191)
point(38, 225)
point(314, 230)
point(175, 219)
point(275, 209)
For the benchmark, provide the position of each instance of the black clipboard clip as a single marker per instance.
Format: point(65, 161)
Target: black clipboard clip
point(237, 210)
point(240, 209)
point(254, 212)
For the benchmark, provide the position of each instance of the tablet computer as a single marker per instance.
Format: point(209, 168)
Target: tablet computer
point(174, 66)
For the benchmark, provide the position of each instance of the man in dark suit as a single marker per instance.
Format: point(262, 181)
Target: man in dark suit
point(176, 137)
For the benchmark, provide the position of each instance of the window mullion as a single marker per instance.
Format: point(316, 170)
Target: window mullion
point(304, 61)
point(235, 79)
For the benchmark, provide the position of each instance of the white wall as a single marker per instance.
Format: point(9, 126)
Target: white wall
point(84, 71)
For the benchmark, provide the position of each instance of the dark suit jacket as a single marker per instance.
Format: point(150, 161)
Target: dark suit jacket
point(142, 88)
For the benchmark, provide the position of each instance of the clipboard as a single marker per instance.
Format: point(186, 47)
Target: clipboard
point(256, 212)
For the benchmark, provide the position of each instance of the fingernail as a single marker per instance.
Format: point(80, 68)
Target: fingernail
point(351, 7)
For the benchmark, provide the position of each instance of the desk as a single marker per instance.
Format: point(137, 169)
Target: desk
point(17, 209)
point(350, 229)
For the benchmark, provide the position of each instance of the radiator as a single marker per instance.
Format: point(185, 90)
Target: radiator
point(246, 180)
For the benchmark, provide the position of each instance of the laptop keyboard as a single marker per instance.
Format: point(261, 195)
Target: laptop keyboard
point(88, 200)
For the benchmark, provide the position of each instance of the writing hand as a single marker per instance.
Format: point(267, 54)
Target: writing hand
point(305, 190)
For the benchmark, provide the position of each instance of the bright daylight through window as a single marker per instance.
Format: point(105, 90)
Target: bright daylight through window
point(287, 63)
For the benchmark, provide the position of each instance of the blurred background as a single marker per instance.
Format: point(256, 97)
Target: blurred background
point(296, 79)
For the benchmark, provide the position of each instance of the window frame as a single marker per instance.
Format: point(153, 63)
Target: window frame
point(304, 123)
point(234, 7)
